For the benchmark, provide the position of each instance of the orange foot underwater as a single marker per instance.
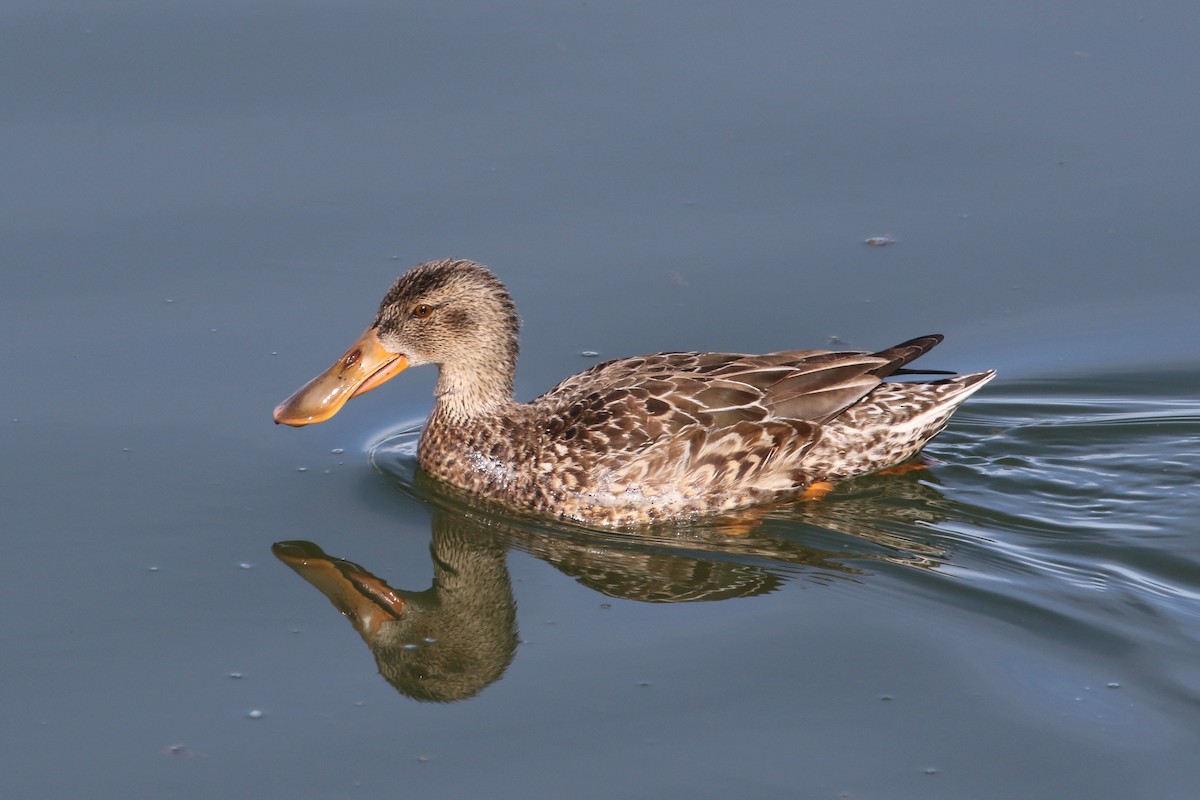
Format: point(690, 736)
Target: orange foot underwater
point(904, 469)
point(816, 490)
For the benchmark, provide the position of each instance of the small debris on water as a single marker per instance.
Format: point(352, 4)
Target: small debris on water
point(301, 469)
point(886, 697)
point(606, 605)
point(255, 714)
point(180, 750)
point(237, 676)
point(245, 565)
point(424, 759)
point(930, 771)
point(152, 569)
point(337, 451)
point(878, 241)
point(1113, 685)
point(589, 354)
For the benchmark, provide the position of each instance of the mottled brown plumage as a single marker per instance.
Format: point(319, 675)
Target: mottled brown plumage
point(639, 440)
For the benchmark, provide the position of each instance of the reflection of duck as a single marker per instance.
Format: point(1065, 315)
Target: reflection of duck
point(635, 440)
point(445, 643)
point(457, 637)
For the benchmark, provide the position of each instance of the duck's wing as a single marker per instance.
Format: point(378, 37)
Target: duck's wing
point(742, 421)
point(716, 390)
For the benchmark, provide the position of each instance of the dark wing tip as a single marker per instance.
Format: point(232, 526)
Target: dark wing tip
point(905, 352)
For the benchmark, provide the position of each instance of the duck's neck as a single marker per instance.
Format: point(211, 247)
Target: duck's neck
point(467, 391)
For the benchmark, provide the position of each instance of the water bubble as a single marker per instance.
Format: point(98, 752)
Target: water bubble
point(255, 714)
point(589, 354)
point(1113, 685)
point(237, 676)
point(301, 469)
point(245, 565)
point(337, 451)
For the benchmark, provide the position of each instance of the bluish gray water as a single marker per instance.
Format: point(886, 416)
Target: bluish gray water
point(204, 202)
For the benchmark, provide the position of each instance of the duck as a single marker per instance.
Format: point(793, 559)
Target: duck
point(634, 441)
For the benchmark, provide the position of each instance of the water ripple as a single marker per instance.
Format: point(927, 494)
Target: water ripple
point(1083, 496)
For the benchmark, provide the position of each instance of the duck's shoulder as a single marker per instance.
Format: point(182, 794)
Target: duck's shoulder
point(630, 372)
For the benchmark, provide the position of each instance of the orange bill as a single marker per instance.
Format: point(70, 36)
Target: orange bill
point(367, 601)
point(365, 365)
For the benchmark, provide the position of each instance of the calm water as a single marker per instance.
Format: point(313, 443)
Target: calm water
point(204, 202)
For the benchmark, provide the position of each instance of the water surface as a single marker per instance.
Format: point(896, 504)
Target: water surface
point(204, 203)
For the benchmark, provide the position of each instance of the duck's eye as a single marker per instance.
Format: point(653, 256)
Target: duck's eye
point(422, 311)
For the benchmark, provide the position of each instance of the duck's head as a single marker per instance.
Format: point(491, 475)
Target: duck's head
point(455, 314)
